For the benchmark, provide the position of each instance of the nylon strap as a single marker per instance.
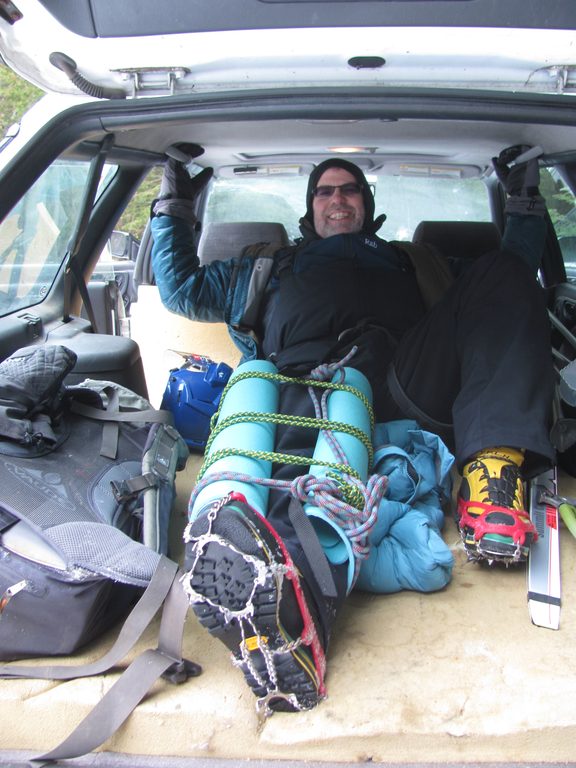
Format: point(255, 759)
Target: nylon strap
point(127, 489)
point(111, 429)
point(134, 625)
point(147, 415)
point(113, 709)
point(112, 415)
point(312, 548)
point(127, 692)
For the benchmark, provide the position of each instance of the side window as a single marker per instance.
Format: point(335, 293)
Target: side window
point(118, 259)
point(561, 205)
point(35, 236)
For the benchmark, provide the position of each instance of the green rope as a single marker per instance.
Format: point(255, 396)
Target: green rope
point(350, 492)
point(289, 420)
point(284, 458)
point(289, 380)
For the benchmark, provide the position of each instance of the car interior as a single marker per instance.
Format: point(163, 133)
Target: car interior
point(429, 162)
point(429, 158)
point(459, 676)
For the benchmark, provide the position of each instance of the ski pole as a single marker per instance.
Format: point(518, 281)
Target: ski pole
point(566, 509)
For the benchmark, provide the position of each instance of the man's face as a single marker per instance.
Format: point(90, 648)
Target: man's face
point(341, 212)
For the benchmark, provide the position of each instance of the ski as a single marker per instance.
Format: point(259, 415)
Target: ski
point(544, 587)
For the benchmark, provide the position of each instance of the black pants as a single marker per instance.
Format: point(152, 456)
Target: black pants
point(301, 441)
point(478, 368)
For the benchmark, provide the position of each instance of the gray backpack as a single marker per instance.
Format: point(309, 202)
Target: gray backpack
point(87, 484)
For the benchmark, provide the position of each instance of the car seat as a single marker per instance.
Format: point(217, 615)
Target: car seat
point(225, 240)
point(460, 242)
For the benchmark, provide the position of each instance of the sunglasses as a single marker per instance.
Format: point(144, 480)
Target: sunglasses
point(348, 190)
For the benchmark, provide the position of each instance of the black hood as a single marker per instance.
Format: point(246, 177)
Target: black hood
point(370, 225)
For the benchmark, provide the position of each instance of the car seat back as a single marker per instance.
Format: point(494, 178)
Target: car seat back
point(460, 242)
point(222, 240)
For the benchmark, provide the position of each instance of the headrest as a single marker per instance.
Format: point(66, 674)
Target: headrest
point(224, 240)
point(459, 239)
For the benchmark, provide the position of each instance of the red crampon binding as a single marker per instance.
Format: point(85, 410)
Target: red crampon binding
point(309, 634)
point(481, 526)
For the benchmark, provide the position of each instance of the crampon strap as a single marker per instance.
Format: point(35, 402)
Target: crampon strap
point(481, 525)
point(309, 635)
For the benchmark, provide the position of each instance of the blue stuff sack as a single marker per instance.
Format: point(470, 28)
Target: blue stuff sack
point(407, 550)
point(192, 395)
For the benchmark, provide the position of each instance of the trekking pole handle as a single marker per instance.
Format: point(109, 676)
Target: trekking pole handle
point(530, 154)
point(177, 154)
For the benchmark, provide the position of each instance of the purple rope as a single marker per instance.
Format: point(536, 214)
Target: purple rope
point(325, 493)
point(325, 372)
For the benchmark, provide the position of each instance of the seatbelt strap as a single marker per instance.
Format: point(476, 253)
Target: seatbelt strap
point(433, 273)
point(72, 267)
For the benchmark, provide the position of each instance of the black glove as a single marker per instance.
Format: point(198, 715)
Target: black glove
point(179, 185)
point(179, 190)
point(31, 395)
point(520, 181)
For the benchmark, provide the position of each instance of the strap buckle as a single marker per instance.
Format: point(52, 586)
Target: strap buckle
point(124, 490)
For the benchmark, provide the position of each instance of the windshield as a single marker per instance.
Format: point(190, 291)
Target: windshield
point(279, 199)
point(35, 236)
point(406, 201)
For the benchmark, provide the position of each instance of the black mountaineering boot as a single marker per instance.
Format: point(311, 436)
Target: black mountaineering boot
point(246, 591)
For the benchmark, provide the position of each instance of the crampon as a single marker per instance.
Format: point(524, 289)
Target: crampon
point(495, 534)
point(493, 523)
point(245, 590)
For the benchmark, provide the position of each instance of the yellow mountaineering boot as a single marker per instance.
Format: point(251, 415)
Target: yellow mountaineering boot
point(492, 519)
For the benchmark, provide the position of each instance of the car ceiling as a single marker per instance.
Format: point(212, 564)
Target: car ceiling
point(304, 129)
point(231, 144)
